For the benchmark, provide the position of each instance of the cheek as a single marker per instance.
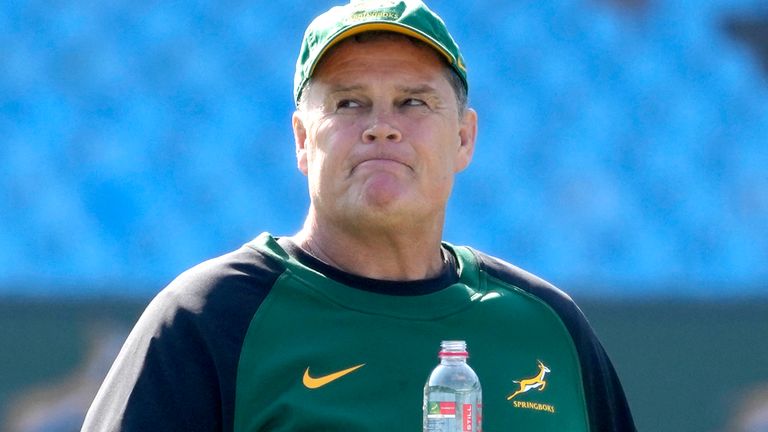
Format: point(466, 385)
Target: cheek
point(442, 155)
point(325, 156)
point(317, 164)
point(333, 142)
point(316, 146)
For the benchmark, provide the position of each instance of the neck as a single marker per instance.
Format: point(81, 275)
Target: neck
point(404, 254)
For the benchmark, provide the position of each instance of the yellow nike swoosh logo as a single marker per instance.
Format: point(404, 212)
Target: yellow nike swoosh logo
point(313, 383)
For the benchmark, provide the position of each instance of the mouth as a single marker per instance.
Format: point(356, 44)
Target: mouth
point(381, 163)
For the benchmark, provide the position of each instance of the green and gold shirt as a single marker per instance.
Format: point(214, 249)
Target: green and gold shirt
point(268, 338)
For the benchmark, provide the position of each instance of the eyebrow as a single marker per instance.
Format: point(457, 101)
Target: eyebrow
point(341, 88)
point(419, 89)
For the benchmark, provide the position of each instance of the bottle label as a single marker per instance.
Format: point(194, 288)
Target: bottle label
point(467, 418)
point(438, 410)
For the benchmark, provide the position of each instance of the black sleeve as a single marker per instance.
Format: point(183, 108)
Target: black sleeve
point(177, 369)
point(607, 405)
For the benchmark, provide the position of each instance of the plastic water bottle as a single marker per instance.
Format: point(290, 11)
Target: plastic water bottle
point(452, 395)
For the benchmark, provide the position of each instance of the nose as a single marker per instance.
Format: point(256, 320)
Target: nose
point(381, 129)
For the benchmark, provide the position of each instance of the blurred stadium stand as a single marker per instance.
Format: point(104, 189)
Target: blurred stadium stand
point(623, 150)
point(622, 143)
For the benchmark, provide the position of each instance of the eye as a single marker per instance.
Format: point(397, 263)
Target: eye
point(347, 103)
point(413, 102)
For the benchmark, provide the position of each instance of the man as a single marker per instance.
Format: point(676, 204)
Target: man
point(338, 326)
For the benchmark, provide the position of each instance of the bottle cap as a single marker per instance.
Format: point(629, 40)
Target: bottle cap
point(455, 348)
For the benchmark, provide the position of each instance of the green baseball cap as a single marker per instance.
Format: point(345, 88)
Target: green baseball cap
point(409, 17)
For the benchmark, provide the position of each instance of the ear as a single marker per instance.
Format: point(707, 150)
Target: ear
point(467, 137)
point(300, 138)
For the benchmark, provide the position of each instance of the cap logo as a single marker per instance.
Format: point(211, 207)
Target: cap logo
point(365, 15)
point(383, 10)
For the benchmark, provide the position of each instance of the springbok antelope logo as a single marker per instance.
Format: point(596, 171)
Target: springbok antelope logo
point(536, 382)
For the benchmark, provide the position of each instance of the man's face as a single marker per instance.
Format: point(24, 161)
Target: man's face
point(380, 136)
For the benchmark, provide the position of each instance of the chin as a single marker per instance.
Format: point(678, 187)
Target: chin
point(394, 213)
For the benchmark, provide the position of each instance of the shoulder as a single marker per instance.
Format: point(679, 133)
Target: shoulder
point(231, 285)
point(189, 340)
point(533, 285)
point(559, 302)
point(245, 270)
